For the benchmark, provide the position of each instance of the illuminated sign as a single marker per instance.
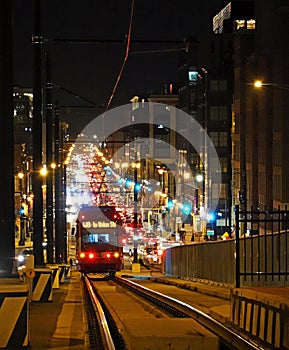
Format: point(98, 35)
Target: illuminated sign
point(98, 224)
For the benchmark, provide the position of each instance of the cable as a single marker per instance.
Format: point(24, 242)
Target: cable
point(125, 58)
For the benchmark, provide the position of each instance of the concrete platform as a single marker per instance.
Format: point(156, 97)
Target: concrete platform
point(168, 333)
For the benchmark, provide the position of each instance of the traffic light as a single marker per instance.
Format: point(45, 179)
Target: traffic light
point(170, 204)
point(22, 212)
point(137, 187)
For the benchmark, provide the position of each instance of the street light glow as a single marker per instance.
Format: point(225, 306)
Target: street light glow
point(258, 83)
point(43, 171)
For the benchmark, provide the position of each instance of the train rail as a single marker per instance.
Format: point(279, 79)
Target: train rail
point(103, 332)
point(172, 307)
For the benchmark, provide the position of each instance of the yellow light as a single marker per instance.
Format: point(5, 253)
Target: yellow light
point(258, 84)
point(135, 165)
point(53, 165)
point(21, 175)
point(43, 171)
point(186, 175)
point(116, 254)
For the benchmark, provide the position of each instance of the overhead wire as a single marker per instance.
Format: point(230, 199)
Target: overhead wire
point(125, 58)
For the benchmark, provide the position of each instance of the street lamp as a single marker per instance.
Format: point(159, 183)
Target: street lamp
point(21, 210)
point(259, 84)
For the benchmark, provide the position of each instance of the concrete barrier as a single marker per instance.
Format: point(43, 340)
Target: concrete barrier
point(62, 269)
point(14, 320)
point(55, 275)
point(68, 270)
point(42, 285)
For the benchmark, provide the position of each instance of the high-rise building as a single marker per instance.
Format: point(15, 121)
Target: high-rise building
point(261, 115)
point(206, 93)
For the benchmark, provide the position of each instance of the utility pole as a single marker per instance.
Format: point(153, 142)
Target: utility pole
point(7, 215)
point(49, 160)
point(37, 139)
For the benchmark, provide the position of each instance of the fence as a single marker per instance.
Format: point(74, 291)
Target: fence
point(257, 259)
point(262, 247)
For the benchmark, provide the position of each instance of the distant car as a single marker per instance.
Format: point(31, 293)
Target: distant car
point(21, 258)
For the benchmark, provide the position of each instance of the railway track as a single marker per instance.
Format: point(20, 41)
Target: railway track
point(117, 313)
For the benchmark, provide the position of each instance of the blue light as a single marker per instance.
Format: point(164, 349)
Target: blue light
point(170, 204)
point(211, 217)
point(128, 182)
point(186, 208)
point(137, 186)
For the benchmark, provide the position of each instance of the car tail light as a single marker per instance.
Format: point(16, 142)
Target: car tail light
point(91, 255)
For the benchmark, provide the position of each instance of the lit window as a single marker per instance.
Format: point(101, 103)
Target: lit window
point(193, 75)
point(251, 24)
point(240, 24)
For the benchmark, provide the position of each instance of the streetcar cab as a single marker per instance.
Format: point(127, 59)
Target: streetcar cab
point(100, 257)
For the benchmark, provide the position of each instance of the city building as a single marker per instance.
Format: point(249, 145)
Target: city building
point(260, 115)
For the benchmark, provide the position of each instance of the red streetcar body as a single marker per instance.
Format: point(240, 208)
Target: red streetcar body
point(99, 234)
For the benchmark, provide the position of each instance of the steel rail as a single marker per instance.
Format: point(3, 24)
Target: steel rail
point(222, 331)
point(109, 343)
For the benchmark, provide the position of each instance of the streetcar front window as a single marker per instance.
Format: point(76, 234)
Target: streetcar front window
point(95, 237)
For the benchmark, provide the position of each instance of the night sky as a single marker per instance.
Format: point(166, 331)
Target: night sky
point(91, 70)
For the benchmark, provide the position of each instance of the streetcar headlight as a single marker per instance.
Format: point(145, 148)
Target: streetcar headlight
point(82, 255)
point(116, 254)
point(108, 255)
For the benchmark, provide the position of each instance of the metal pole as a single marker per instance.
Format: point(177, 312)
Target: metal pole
point(7, 216)
point(22, 236)
point(37, 139)
point(58, 227)
point(237, 237)
point(49, 160)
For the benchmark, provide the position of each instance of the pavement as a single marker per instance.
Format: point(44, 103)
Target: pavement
point(61, 324)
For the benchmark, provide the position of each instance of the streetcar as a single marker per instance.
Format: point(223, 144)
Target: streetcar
point(99, 237)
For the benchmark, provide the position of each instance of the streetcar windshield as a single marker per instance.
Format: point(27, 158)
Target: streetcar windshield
point(95, 237)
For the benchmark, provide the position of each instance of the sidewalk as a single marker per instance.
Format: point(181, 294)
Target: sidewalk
point(59, 324)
